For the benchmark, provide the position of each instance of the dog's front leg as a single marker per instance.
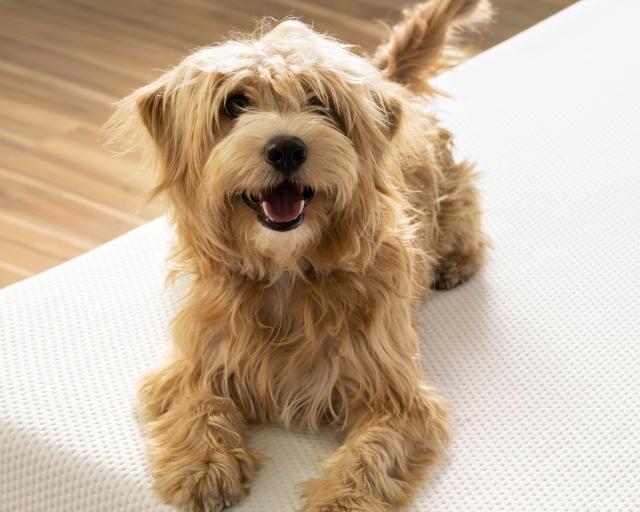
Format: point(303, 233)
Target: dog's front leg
point(383, 460)
point(198, 455)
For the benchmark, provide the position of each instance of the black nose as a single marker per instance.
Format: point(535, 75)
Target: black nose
point(285, 153)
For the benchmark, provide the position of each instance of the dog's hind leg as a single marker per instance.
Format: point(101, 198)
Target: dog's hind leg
point(460, 244)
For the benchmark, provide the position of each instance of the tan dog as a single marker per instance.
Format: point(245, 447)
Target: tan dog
point(315, 202)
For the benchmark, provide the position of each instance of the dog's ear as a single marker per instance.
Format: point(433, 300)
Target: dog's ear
point(155, 106)
point(148, 107)
point(390, 109)
point(145, 120)
point(154, 109)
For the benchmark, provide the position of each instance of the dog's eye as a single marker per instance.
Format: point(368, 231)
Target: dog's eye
point(314, 101)
point(327, 110)
point(235, 105)
point(317, 104)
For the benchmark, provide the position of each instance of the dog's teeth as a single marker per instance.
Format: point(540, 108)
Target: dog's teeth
point(263, 205)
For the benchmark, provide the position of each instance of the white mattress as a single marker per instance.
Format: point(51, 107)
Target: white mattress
point(539, 355)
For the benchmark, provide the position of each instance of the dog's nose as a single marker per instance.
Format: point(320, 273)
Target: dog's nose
point(285, 153)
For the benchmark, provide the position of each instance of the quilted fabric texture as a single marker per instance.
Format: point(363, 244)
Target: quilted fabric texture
point(539, 355)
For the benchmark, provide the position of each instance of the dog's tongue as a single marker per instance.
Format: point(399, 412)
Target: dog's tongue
point(283, 203)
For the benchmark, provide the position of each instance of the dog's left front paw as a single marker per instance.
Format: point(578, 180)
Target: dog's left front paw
point(455, 269)
point(327, 497)
point(347, 505)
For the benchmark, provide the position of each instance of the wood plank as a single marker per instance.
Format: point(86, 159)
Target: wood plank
point(10, 274)
point(40, 204)
point(50, 240)
point(33, 253)
point(58, 166)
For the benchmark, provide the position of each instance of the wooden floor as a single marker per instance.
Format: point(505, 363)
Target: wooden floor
point(64, 62)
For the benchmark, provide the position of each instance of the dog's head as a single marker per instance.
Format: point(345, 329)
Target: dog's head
point(274, 152)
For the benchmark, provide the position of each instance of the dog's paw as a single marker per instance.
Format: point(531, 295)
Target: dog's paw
point(456, 269)
point(208, 485)
point(447, 277)
point(348, 504)
point(329, 497)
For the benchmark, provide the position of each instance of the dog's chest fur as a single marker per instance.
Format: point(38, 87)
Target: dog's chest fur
point(297, 366)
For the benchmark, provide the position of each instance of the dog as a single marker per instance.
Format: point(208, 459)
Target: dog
point(316, 202)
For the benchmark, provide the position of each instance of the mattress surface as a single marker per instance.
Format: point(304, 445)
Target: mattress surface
point(538, 355)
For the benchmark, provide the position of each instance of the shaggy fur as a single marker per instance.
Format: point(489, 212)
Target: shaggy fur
point(316, 325)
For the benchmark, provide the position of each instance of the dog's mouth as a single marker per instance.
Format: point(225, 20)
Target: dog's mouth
point(280, 208)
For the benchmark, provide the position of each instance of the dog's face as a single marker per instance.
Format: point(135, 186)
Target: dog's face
point(272, 150)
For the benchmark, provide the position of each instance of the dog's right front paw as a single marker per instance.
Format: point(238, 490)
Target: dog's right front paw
point(207, 485)
point(199, 459)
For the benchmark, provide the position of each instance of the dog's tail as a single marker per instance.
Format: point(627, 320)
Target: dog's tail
point(421, 44)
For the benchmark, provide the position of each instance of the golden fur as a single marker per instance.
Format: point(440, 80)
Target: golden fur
point(316, 325)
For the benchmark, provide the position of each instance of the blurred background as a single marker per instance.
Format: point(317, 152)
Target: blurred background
point(64, 63)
